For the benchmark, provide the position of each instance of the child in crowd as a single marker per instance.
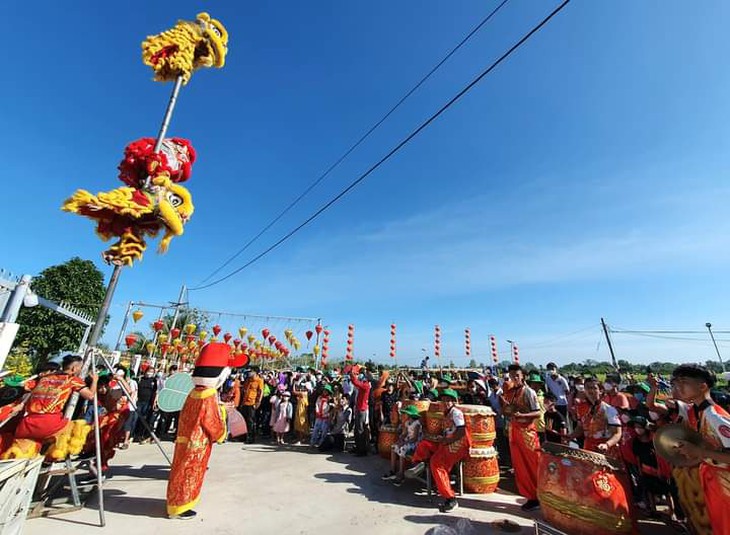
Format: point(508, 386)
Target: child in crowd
point(555, 424)
point(411, 434)
point(335, 439)
point(284, 413)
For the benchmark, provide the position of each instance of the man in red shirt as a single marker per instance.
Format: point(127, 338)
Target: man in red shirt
point(44, 411)
point(362, 433)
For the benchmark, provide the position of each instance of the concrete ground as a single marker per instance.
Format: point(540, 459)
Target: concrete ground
point(262, 488)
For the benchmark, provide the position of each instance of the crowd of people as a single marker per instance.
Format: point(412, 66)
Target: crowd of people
point(616, 416)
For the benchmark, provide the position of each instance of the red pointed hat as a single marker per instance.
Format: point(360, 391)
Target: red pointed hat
point(215, 355)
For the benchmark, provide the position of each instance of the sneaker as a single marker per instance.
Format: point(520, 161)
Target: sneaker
point(390, 476)
point(397, 482)
point(530, 505)
point(449, 505)
point(416, 471)
point(187, 515)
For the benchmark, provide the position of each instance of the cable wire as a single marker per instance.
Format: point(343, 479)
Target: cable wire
point(358, 142)
point(394, 150)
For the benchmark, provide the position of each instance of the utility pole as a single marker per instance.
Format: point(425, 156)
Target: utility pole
point(608, 341)
point(717, 350)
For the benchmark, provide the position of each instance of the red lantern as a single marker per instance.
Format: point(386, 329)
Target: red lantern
point(318, 328)
point(158, 325)
point(236, 343)
point(189, 338)
point(244, 347)
point(227, 337)
point(272, 339)
point(130, 340)
point(175, 333)
point(216, 330)
point(308, 334)
point(265, 333)
point(164, 348)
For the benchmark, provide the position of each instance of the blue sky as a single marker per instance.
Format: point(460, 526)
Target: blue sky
point(585, 177)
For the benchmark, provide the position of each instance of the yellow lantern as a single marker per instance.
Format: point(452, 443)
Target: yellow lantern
point(203, 335)
point(162, 338)
point(315, 350)
point(190, 328)
point(242, 331)
point(137, 315)
point(150, 347)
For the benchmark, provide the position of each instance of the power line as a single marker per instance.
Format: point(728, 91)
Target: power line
point(358, 142)
point(393, 150)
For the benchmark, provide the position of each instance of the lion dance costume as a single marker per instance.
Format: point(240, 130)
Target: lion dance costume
point(143, 207)
point(185, 48)
point(202, 422)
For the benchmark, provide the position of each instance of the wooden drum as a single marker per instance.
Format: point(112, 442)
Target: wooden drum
point(584, 493)
point(481, 471)
point(481, 425)
point(434, 425)
point(387, 437)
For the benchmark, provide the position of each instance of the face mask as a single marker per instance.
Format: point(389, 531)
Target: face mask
point(625, 418)
point(580, 388)
point(607, 386)
point(639, 430)
point(653, 415)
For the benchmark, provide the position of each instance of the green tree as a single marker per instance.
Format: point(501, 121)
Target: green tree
point(472, 364)
point(76, 282)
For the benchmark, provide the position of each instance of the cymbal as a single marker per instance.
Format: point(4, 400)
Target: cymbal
point(668, 437)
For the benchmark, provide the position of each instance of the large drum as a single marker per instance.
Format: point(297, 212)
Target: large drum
point(481, 471)
point(434, 425)
point(584, 493)
point(481, 425)
point(387, 436)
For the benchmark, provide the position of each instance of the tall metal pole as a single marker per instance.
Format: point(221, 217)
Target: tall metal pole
point(124, 326)
point(610, 345)
point(179, 303)
point(97, 437)
point(111, 288)
point(714, 342)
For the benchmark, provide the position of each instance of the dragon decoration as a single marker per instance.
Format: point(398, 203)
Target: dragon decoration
point(153, 199)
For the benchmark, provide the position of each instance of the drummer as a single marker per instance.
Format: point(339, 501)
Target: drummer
point(445, 451)
point(693, 384)
point(519, 404)
point(598, 422)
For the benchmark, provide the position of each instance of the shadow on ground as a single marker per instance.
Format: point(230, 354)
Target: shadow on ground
point(116, 501)
point(148, 471)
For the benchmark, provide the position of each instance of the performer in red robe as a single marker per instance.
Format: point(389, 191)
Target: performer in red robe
point(202, 422)
point(693, 384)
point(519, 403)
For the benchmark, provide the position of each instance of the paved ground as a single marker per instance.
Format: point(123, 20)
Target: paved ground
point(263, 489)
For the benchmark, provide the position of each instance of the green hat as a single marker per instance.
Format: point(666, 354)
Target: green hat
point(645, 387)
point(328, 388)
point(411, 411)
point(434, 392)
point(534, 377)
point(14, 380)
point(446, 378)
point(449, 392)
